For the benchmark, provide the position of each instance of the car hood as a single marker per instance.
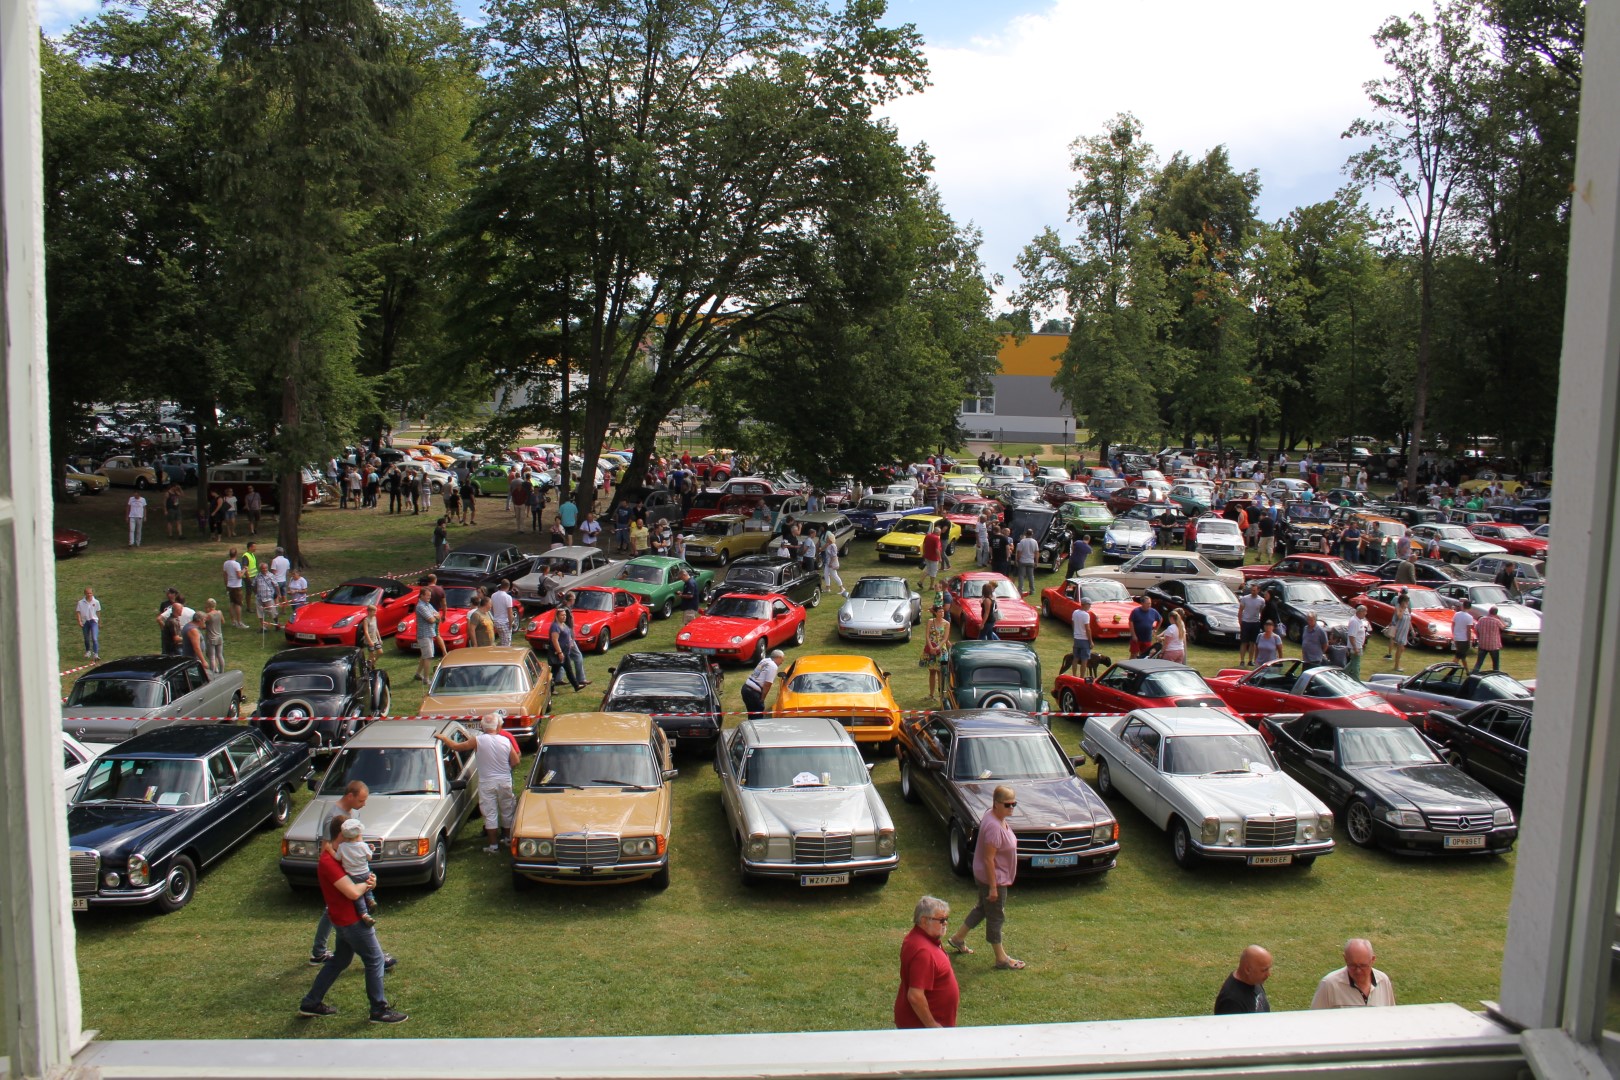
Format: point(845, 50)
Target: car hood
point(1219, 613)
point(323, 613)
point(786, 811)
point(640, 588)
point(386, 817)
point(1519, 618)
point(871, 611)
point(1256, 794)
point(1122, 525)
point(598, 810)
point(120, 827)
point(720, 627)
point(1042, 804)
point(1432, 787)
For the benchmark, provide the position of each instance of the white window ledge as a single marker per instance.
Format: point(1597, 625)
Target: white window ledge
point(1409, 1041)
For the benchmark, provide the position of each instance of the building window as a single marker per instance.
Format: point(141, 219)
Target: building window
point(979, 406)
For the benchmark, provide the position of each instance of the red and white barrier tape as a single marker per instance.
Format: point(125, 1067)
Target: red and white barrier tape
point(525, 720)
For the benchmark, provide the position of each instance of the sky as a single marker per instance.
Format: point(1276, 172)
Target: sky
point(1014, 83)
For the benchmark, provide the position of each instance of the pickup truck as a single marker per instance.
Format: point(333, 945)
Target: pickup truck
point(877, 514)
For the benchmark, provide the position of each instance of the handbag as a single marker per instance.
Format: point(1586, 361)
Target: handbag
point(1389, 631)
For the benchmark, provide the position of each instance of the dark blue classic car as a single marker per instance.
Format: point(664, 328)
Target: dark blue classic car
point(158, 808)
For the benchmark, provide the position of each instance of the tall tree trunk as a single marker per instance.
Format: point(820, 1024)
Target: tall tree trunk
point(291, 480)
point(1420, 385)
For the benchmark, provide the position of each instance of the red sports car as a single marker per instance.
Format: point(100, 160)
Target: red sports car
point(1431, 619)
point(1015, 621)
point(1513, 539)
point(68, 542)
point(458, 601)
point(335, 619)
point(743, 627)
point(1330, 570)
point(1111, 605)
point(1293, 686)
point(602, 616)
point(964, 510)
point(1135, 684)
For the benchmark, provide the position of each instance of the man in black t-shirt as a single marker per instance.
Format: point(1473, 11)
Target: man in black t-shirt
point(1244, 990)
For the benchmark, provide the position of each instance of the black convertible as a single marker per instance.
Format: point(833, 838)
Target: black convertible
point(157, 809)
point(681, 691)
point(1390, 785)
point(761, 574)
point(320, 695)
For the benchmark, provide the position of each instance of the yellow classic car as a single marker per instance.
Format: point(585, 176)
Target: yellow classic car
point(597, 806)
point(125, 471)
point(509, 679)
point(905, 540)
point(432, 453)
point(94, 483)
point(850, 689)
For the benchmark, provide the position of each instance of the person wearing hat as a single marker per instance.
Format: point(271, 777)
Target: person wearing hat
point(936, 647)
point(758, 684)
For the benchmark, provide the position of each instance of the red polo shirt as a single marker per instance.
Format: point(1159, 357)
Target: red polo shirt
point(924, 964)
point(932, 547)
point(339, 908)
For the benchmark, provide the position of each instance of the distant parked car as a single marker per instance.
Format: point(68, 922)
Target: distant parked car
point(880, 608)
point(1490, 742)
point(678, 690)
point(320, 696)
point(118, 699)
point(1447, 686)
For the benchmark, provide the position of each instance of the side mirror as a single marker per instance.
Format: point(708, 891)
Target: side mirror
point(1323, 755)
point(885, 675)
point(1077, 760)
point(459, 784)
point(870, 765)
point(670, 774)
point(933, 765)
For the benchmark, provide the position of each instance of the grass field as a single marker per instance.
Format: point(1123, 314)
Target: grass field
point(476, 958)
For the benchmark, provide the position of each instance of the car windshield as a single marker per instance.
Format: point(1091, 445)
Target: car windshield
point(1489, 594)
point(659, 684)
point(1501, 688)
point(1309, 592)
point(1102, 591)
point(466, 560)
point(1333, 683)
point(1174, 684)
point(1015, 757)
point(1208, 592)
point(804, 766)
point(158, 781)
point(584, 765)
point(1383, 746)
point(711, 527)
point(385, 770)
point(914, 525)
point(1424, 600)
point(641, 572)
point(1199, 755)
point(478, 679)
point(836, 682)
point(1452, 532)
point(973, 588)
point(116, 693)
point(1513, 532)
point(880, 589)
point(1218, 527)
point(1299, 511)
point(460, 596)
point(874, 504)
point(752, 575)
point(355, 595)
point(737, 607)
point(998, 675)
point(592, 600)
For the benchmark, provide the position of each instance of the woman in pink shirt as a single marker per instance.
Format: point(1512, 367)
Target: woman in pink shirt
point(995, 865)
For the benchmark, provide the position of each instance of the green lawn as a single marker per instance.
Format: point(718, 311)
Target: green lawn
point(476, 958)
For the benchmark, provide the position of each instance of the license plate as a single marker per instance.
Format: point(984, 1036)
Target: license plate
point(1465, 841)
point(81, 903)
point(695, 732)
point(1270, 860)
point(1041, 862)
point(823, 879)
point(305, 637)
point(872, 633)
point(705, 652)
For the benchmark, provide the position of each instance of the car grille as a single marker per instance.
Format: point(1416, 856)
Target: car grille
point(84, 870)
point(1480, 822)
point(1268, 832)
point(1054, 842)
point(578, 849)
point(870, 720)
point(822, 847)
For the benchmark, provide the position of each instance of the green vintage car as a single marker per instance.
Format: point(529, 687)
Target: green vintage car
point(1085, 514)
point(490, 479)
point(656, 579)
point(994, 675)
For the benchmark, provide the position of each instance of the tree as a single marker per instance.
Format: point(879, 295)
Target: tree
point(1423, 114)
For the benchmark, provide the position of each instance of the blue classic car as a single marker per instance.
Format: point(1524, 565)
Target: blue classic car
point(155, 810)
point(877, 514)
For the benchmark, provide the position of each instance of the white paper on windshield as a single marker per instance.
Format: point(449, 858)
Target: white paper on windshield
point(808, 779)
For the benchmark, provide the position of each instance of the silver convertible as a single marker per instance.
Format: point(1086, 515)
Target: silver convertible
point(120, 699)
point(880, 608)
point(1209, 780)
point(800, 803)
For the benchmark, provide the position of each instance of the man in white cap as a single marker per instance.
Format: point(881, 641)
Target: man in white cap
point(496, 756)
point(758, 686)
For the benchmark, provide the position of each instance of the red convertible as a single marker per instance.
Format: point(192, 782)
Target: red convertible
point(602, 616)
point(1293, 686)
point(743, 627)
point(335, 619)
point(1513, 539)
point(1332, 571)
point(458, 601)
point(1431, 619)
point(1016, 620)
point(1111, 605)
point(1135, 684)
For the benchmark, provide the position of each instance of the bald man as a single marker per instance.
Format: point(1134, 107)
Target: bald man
point(1244, 991)
point(1356, 984)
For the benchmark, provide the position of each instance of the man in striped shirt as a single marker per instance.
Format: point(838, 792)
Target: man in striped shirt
point(1488, 636)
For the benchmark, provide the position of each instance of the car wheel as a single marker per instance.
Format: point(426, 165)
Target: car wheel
point(722, 559)
point(1296, 631)
point(998, 701)
point(660, 881)
point(950, 547)
point(798, 635)
point(1181, 846)
point(908, 787)
point(179, 885)
point(815, 598)
point(667, 608)
point(761, 650)
point(1105, 778)
point(295, 718)
point(843, 551)
point(1454, 759)
point(383, 699)
point(441, 863)
point(140, 483)
point(281, 811)
point(961, 854)
point(234, 710)
point(907, 638)
point(1358, 824)
point(1200, 632)
point(641, 627)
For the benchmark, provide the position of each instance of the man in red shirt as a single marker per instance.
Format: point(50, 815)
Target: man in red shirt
point(928, 991)
point(933, 550)
point(353, 937)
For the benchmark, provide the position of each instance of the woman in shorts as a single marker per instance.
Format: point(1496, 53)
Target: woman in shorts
point(936, 648)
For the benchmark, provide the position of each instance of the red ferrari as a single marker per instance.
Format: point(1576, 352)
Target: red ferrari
point(1513, 539)
point(1293, 686)
point(458, 601)
point(1135, 684)
point(1431, 619)
point(1111, 605)
point(1330, 570)
point(1015, 621)
point(335, 619)
point(743, 627)
point(602, 616)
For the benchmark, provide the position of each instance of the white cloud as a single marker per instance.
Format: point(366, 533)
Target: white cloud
point(1276, 81)
point(56, 16)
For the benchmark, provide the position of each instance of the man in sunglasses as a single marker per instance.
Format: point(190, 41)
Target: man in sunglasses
point(928, 991)
point(995, 864)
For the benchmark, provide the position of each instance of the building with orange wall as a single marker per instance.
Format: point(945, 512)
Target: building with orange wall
point(1021, 404)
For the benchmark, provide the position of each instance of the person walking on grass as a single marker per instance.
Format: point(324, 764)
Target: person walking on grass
point(1026, 552)
point(88, 612)
point(172, 515)
point(517, 496)
point(480, 626)
point(936, 649)
point(264, 591)
point(1488, 635)
point(502, 610)
point(370, 637)
point(135, 518)
point(253, 507)
point(233, 588)
point(441, 542)
point(829, 564)
point(214, 636)
point(355, 938)
point(933, 552)
point(929, 993)
point(427, 632)
point(995, 865)
point(193, 635)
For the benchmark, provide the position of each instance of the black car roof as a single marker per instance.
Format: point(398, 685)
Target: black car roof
point(761, 560)
point(482, 547)
point(179, 740)
point(140, 667)
point(661, 661)
point(311, 655)
point(990, 721)
point(1355, 718)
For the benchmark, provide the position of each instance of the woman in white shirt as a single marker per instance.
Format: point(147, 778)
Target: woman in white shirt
point(1173, 639)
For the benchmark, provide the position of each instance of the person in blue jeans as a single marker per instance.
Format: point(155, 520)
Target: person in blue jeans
point(568, 514)
point(354, 938)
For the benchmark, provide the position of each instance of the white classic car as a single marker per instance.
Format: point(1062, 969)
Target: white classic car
point(1210, 781)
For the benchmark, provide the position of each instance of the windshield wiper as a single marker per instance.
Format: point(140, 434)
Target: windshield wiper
point(556, 784)
point(624, 783)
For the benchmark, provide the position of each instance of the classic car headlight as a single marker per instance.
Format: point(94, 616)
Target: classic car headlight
point(347, 620)
point(301, 849)
point(756, 847)
point(406, 847)
point(683, 636)
point(139, 872)
point(639, 846)
point(845, 617)
point(736, 641)
point(899, 616)
point(885, 841)
point(534, 624)
point(1406, 819)
point(1503, 816)
point(1307, 832)
point(1211, 831)
point(1110, 538)
point(1102, 834)
point(110, 879)
point(1324, 824)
